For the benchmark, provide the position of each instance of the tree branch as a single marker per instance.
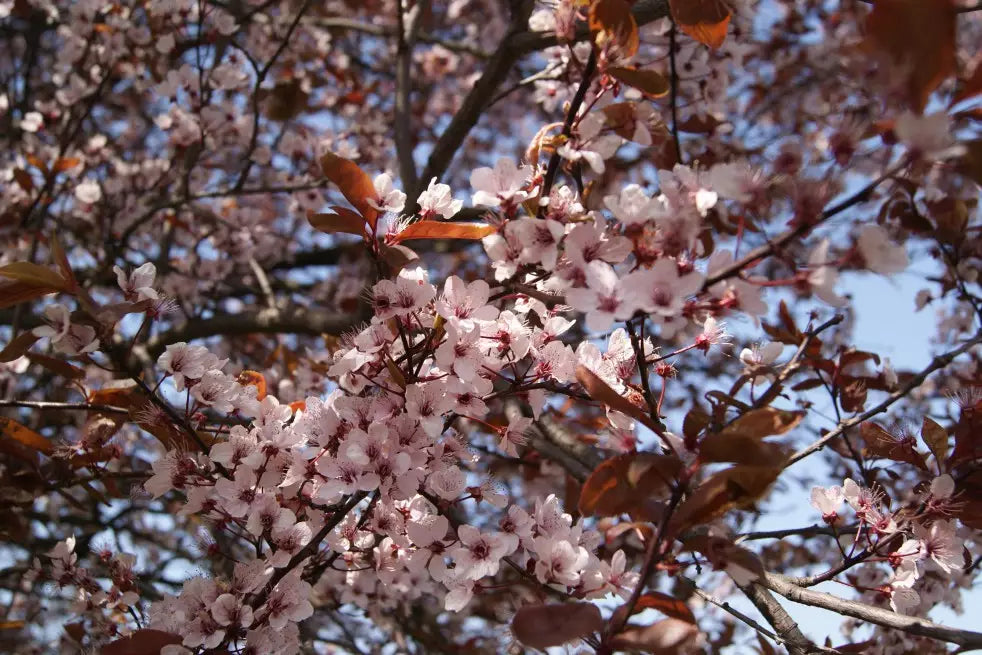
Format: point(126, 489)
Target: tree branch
point(882, 617)
point(294, 320)
point(791, 635)
point(46, 405)
point(408, 27)
point(937, 363)
point(474, 104)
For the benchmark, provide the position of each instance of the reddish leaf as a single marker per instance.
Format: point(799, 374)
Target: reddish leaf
point(935, 438)
point(611, 21)
point(66, 163)
point(621, 117)
point(968, 435)
point(255, 379)
point(970, 163)
point(622, 483)
point(733, 488)
point(918, 36)
point(810, 383)
point(397, 257)
point(440, 230)
point(695, 421)
point(969, 512)
point(699, 124)
point(34, 275)
point(75, 631)
point(354, 184)
point(602, 392)
point(284, 101)
point(127, 395)
point(36, 162)
point(57, 366)
point(764, 422)
point(60, 260)
point(18, 345)
point(141, 642)
point(656, 600)
point(542, 626)
point(852, 394)
point(704, 20)
point(14, 292)
point(787, 320)
point(741, 449)
point(853, 356)
point(24, 179)
point(77, 461)
point(11, 429)
point(666, 637)
point(724, 555)
point(880, 443)
point(347, 222)
point(647, 81)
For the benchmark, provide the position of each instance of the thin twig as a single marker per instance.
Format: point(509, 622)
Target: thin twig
point(44, 404)
point(936, 364)
point(574, 108)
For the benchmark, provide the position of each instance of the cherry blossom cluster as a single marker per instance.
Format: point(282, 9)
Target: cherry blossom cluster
point(923, 549)
point(91, 599)
point(285, 475)
point(659, 207)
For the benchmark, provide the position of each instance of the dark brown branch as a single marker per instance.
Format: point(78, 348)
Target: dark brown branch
point(408, 26)
point(574, 108)
point(474, 104)
point(293, 320)
point(46, 405)
point(779, 242)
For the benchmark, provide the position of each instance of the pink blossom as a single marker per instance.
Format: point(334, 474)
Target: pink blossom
point(828, 501)
point(559, 561)
point(603, 300)
point(437, 200)
point(632, 206)
point(138, 285)
point(822, 277)
point(67, 337)
point(479, 553)
point(229, 610)
point(879, 254)
point(660, 290)
point(388, 198)
point(502, 185)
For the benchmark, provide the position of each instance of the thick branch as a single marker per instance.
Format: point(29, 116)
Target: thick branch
point(294, 320)
point(49, 405)
point(555, 443)
point(408, 27)
point(779, 619)
point(480, 94)
point(910, 624)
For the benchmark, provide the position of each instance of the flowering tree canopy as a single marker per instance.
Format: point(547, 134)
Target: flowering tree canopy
point(438, 326)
